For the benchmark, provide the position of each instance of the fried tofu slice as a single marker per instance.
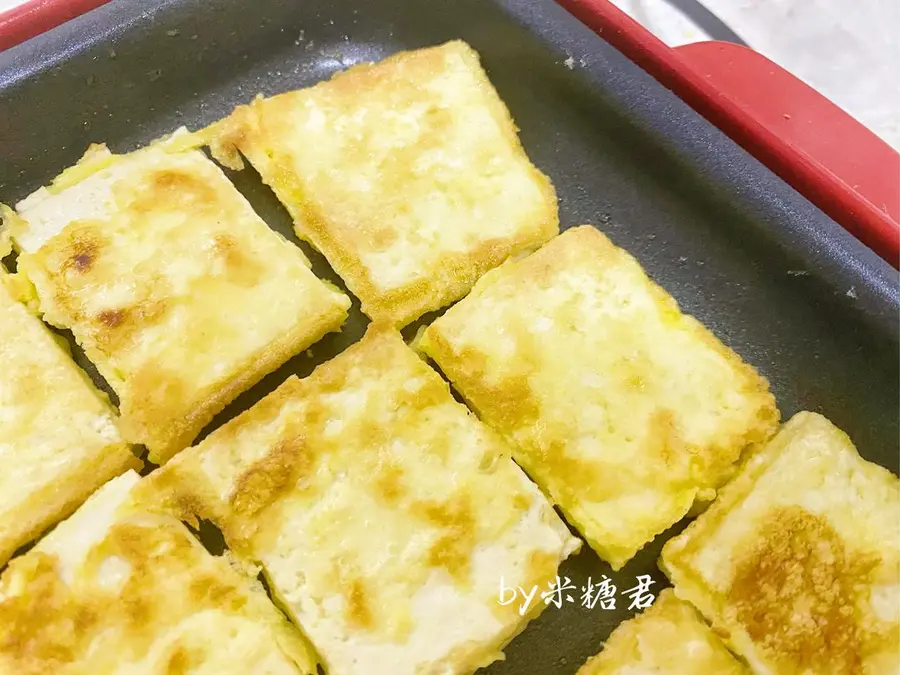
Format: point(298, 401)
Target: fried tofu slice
point(408, 175)
point(383, 513)
point(116, 589)
point(623, 409)
point(797, 562)
point(670, 637)
point(58, 436)
point(177, 291)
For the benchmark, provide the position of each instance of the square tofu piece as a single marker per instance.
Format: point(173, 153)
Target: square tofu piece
point(384, 514)
point(116, 589)
point(58, 435)
point(408, 176)
point(669, 638)
point(798, 561)
point(623, 409)
point(175, 288)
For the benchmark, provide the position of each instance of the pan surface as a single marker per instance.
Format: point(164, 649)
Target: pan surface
point(772, 276)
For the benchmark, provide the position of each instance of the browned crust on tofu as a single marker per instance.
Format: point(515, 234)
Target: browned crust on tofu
point(52, 626)
point(509, 404)
point(661, 637)
point(67, 487)
point(148, 416)
point(797, 584)
point(799, 560)
point(248, 129)
point(58, 499)
point(185, 494)
point(160, 405)
point(282, 457)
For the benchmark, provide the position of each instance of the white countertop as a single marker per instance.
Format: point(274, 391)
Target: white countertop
point(846, 49)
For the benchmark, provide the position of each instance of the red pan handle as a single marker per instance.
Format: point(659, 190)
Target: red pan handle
point(36, 16)
point(812, 144)
point(829, 157)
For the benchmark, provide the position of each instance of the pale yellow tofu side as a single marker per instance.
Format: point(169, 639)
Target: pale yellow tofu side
point(58, 436)
point(623, 409)
point(798, 561)
point(408, 175)
point(383, 513)
point(177, 291)
point(116, 590)
point(670, 637)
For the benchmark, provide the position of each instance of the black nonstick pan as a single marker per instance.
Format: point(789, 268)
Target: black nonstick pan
point(777, 280)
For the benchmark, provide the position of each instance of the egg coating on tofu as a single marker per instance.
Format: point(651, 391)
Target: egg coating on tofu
point(177, 291)
point(118, 590)
point(797, 563)
point(408, 175)
point(670, 637)
point(383, 513)
point(58, 436)
point(623, 409)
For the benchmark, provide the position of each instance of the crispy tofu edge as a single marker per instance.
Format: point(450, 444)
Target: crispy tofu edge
point(676, 557)
point(668, 606)
point(180, 433)
point(258, 609)
point(437, 344)
point(180, 489)
point(57, 500)
point(7, 215)
point(240, 134)
point(164, 435)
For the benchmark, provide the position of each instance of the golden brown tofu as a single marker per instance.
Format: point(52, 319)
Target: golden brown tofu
point(798, 561)
point(177, 291)
point(384, 514)
point(116, 590)
point(670, 638)
point(623, 409)
point(58, 436)
point(408, 176)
